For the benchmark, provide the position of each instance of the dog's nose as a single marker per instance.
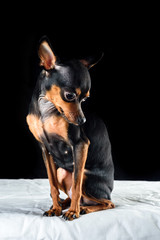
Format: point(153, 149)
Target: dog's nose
point(81, 120)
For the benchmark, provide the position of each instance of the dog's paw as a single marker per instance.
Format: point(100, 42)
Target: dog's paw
point(53, 212)
point(70, 215)
point(110, 205)
point(84, 210)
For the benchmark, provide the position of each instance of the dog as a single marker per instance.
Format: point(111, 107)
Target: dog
point(76, 149)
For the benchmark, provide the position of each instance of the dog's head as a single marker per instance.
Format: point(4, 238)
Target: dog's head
point(66, 84)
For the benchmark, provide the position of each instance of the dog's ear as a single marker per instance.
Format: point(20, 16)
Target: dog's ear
point(91, 61)
point(46, 55)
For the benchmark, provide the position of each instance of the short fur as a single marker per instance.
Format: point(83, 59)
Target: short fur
point(70, 142)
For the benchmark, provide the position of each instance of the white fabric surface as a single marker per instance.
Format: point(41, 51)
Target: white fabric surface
point(136, 216)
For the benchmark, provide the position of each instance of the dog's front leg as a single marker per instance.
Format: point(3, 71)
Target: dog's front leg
point(56, 210)
point(81, 152)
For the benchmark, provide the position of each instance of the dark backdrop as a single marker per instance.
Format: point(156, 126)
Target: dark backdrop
point(123, 92)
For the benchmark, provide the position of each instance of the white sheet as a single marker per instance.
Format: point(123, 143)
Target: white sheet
point(136, 216)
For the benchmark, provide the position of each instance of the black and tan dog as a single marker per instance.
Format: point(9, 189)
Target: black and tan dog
point(76, 152)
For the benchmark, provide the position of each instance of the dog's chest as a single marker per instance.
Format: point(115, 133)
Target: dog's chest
point(53, 122)
point(62, 137)
point(56, 125)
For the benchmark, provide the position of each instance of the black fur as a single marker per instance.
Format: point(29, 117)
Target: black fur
point(99, 166)
point(99, 182)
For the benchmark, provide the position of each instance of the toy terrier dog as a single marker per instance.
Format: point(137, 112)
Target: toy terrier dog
point(76, 150)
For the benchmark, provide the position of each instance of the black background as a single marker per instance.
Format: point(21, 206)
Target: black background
point(123, 90)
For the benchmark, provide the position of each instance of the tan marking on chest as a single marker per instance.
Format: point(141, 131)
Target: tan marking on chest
point(57, 125)
point(35, 126)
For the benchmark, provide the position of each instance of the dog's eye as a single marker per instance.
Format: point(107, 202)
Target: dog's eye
point(69, 96)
